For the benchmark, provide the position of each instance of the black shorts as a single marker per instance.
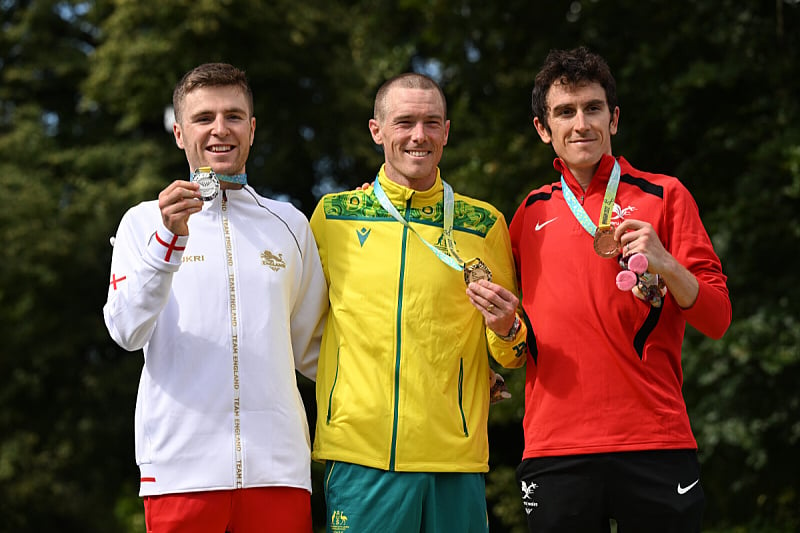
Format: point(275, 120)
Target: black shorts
point(649, 491)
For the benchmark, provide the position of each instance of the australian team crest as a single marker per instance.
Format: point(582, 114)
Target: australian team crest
point(275, 262)
point(339, 522)
point(441, 244)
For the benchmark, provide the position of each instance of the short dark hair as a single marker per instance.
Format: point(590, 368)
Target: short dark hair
point(409, 80)
point(571, 67)
point(210, 75)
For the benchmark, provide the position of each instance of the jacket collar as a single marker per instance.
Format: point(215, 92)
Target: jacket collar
point(399, 195)
point(233, 195)
point(599, 179)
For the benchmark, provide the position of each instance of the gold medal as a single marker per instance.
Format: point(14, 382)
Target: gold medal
point(604, 243)
point(208, 181)
point(476, 269)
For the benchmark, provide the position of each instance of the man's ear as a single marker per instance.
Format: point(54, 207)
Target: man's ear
point(542, 130)
point(614, 121)
point(375, 131)
point(176, 131)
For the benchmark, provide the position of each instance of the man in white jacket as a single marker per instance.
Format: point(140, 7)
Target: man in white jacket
point(223, 290)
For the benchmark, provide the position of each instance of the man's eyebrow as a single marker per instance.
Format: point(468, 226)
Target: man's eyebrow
point(435, 116)
point(562, 107)
point(571, 105)
point(596, 101)
point(227, 111)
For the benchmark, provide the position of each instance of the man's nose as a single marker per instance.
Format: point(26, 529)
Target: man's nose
point(580, 121)
point(418, 133)
point(219, 127)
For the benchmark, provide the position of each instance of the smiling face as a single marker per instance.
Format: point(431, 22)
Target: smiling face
point(579, 126)
point(413, 132)
point(216, 129)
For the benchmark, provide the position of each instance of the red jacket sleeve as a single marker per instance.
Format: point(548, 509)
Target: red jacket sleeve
point(690, 244)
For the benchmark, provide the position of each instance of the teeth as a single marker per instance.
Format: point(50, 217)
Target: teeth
point(220, 148)
point(417, 154)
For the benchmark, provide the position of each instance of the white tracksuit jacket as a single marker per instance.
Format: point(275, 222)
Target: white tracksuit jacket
point(225, 316)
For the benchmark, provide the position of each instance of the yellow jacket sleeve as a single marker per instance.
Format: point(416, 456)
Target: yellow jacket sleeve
point(511, 353)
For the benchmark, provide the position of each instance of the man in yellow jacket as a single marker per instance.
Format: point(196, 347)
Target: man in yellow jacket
point(422, 290)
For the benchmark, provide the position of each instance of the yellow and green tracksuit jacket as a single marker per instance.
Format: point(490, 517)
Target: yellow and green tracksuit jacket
point(403, 377)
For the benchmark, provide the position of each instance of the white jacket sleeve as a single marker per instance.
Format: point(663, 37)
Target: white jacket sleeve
point(145, 257)
point(310, 307)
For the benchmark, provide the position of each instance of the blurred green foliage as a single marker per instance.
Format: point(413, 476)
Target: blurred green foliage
point(708, 92)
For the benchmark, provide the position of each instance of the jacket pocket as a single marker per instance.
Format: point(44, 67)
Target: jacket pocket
point(647, 328)
point(333, 389)
point(461, 396)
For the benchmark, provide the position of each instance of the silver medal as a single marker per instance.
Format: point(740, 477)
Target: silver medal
point(208, 181)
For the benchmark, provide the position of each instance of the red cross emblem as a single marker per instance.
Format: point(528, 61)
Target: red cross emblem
point(115, 280)
point(171, 247)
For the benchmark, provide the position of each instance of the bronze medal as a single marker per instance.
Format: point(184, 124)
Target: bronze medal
point(208, 181)
point(604, 243)
point(476, 269)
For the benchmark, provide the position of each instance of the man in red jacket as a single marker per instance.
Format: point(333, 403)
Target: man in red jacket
point(607, 435)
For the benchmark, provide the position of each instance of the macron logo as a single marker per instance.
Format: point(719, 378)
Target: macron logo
point(363, 233)
point(540, 225)
point(684, 490)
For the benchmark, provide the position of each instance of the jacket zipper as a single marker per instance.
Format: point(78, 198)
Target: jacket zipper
point(237, 430)
point(398, 347)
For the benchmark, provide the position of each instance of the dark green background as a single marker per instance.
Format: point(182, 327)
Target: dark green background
point(708, 92)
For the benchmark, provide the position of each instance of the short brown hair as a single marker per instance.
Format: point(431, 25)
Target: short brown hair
point(571, 67)
point(409, 80)
point(210, 75)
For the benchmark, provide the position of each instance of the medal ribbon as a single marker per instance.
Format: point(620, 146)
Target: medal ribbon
point(454, 262)
point(447, 226)
point(241, 179)
point(608, 203)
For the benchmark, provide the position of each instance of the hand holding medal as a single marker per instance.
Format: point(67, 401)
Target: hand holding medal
point(498, 306)
point(177, 202)
point(643, 261)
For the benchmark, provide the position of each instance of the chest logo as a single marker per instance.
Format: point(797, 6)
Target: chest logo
point(441, 244)
point(275, 262)
point(620, 213)
point(540, 225)
point(363, 233)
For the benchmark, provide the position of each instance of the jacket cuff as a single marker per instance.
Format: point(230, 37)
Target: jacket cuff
point(521, 333)
point(167, 248)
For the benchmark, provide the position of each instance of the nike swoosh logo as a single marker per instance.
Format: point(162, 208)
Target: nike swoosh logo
point(684, 490)
point(543, 224)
